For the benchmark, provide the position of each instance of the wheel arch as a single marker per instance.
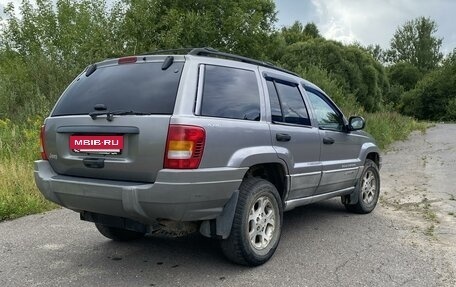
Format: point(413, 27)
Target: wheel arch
point(274, 172)
point(375, 157)
point(372, 152)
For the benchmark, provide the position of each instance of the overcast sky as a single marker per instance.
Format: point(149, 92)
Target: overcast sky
point(2, 4)
point(364, 21)
point(369, 21)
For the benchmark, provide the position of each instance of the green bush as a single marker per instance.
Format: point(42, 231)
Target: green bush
point(357, 72)
point(434, 96)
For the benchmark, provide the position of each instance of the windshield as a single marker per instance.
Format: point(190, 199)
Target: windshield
point(143, 88)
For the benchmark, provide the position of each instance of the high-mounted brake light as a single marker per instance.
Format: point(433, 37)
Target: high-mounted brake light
point(42, 150)
point(127, 60)
point(184, 147)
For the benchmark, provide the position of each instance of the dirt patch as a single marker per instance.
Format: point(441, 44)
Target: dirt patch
point(419, 190)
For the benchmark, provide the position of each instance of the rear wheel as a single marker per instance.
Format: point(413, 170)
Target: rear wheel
point(367, 189)
point(118, 234)
point(257, 224)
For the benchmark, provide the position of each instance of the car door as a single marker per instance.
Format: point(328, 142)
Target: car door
point(296, 141)
point(340, 149)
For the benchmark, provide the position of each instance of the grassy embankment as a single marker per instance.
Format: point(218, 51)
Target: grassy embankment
point(388, 127)
point(19, 147)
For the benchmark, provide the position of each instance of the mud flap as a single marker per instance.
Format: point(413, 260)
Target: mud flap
point(220, 227)
point(353, 197)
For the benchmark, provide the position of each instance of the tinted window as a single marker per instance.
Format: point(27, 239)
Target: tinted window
point(327, 116)
point(293, 108)
point(142, 87)
point(230, 93)
point(276, 111)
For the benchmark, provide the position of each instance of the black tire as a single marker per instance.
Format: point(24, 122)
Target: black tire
point(259, 195)
point(118, 234)
point(367, 200)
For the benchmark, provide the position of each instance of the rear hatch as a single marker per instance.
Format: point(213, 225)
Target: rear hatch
point(112, 121)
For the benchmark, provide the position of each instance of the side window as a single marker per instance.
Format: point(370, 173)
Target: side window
point(287, 105)
point(327, 117)
point(230, 93)
point(276, 111)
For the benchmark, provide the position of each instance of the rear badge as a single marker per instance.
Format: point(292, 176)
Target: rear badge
point(53, 156)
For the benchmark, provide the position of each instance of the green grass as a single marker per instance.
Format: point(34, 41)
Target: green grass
point(19, 147)
point(388, 127)
point(428, 213)
point(18, 193)
point(430, 230)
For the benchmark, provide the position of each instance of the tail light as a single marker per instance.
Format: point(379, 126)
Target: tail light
point(43, 152)
point(184, 147)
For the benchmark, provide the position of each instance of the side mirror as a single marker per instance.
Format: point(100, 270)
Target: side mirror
point(356, 123)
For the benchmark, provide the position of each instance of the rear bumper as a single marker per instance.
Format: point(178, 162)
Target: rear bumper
point(184, 195)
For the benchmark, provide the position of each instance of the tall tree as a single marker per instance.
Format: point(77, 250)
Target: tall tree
point(299, 33)
point(311, 30)
point(415, 43)
point(239, 26)
point(404, 74)
point(377, 52)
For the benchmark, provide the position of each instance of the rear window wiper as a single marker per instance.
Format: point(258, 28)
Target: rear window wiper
point(110, 115)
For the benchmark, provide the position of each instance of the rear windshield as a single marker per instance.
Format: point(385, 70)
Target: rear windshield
point(142, 87)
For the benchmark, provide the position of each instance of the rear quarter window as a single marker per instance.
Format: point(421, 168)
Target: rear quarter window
point(230, 93)
point(141, 87)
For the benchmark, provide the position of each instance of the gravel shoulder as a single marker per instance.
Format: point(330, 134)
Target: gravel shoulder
point(419, 190)
point(407, 241)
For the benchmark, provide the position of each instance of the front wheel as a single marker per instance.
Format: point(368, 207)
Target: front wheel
point(257, 224)
point(367, 189)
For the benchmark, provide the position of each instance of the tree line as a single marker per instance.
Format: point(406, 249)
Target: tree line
point(51, 42)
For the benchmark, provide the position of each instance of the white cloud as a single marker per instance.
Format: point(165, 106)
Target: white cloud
point(4, 3)
point(15, 2)
point(1, 10)
point(374, 21)
point(2, 17)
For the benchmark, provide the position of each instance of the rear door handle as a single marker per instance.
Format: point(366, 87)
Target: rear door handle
point(328, 140)
point(283, 137)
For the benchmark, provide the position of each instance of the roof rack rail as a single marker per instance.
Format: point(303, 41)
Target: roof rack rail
point(215, 53)
point(211, 52)
point(171, 51)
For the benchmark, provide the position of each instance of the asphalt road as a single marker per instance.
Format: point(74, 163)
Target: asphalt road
point(322, 245)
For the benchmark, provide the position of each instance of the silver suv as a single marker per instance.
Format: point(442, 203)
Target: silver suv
point(220, 141)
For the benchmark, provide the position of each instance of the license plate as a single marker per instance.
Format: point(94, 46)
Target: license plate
point(97, 144)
